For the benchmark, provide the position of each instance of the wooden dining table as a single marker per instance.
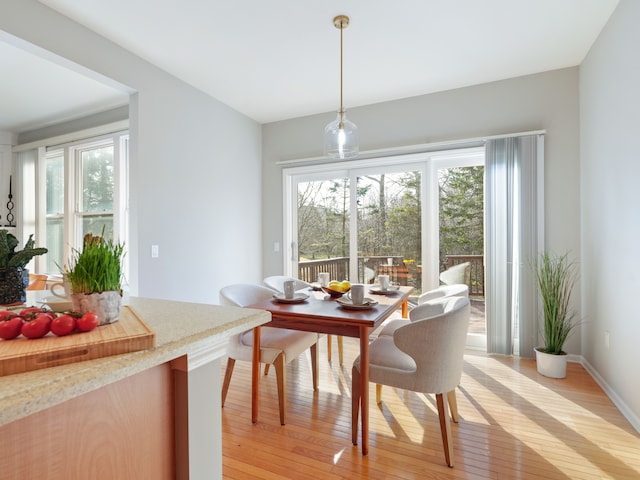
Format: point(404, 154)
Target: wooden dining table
point(323, 314)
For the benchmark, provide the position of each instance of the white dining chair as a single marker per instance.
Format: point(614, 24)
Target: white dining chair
point(456, 274)
point(426, 355)
point(276, 282)
point(278, 346)
point(454, 290)
point(432, 296)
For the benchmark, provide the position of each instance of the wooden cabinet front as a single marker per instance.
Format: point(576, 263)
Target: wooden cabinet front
point(122, 430)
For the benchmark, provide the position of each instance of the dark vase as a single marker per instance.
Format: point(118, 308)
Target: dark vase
point(13, 285)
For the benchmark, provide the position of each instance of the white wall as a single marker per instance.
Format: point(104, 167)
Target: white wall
point(543, 101)
point(195, 166)
point(610, 179)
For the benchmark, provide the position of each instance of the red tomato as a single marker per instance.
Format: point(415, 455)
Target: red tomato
point(25, 312)
point(52, 315)
point(38, 327)
point(87, 322)
point(63, 325)
point(11, 327)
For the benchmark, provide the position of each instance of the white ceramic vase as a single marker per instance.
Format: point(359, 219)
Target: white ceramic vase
point(549, 365)
point(105, 304)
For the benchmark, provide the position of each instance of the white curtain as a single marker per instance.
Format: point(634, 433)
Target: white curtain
point(514, 232)
point(25, 199)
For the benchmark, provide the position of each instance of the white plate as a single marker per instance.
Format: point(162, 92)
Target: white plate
point(378, 291)
point(298, 297)
point(57, 304)
point(349, 305)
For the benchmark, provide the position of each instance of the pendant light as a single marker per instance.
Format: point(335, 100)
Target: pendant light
point(341, 135)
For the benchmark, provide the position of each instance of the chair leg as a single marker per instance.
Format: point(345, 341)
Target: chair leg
point(340, 354)
point(378, 393)
point(266, 368)
point(355, 404)
point(453, 405)
point(329, 348)
point(279, 365)
point(227, 378)
point(314, 365)
point(445, 429)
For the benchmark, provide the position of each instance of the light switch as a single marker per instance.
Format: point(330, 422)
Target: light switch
point(155, 251)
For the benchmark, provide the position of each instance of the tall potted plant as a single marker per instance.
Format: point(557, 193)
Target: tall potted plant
point(556, 276)
point(95, 275)
point(14, 276)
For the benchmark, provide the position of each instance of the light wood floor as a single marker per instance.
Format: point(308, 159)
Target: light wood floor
point(515, 424)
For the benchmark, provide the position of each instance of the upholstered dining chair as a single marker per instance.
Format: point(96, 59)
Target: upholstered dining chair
point(456, 274)
point(430, 297)
point(278, 346)
point(276, 282)
point(454, 290)
point(425, 355)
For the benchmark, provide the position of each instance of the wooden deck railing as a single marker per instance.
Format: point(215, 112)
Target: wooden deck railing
point(338, 269)
point(394, 266)
point(368, 268)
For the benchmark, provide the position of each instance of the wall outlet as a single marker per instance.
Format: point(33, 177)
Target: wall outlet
point(155, 251)
point(606, 340)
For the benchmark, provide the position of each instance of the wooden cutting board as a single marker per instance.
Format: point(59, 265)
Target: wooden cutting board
point(128, 334)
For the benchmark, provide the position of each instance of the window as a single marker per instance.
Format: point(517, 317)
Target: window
point(84, 185)
point(361, 218)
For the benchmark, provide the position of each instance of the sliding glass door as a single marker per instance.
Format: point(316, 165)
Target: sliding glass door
point(322, 226)
point(362, 218)
point(389, 225)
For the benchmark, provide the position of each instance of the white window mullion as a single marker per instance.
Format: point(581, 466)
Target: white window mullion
point(70, 221)
point(353, 227)
point(40, 196)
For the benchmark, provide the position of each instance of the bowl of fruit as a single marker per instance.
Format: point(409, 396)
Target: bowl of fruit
point(336, 289)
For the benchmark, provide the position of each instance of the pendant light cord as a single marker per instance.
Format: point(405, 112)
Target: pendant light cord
point(341, 108)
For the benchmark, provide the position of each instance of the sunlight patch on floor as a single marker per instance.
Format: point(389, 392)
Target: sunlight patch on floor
point(556, 416)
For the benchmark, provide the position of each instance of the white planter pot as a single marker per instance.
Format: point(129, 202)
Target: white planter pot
point(105, 305)
point(549, 365)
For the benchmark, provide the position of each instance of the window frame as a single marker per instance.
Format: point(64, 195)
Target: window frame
point(73, 214)
point(426, 162)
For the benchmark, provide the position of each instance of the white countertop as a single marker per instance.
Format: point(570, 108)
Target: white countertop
point(181, 329)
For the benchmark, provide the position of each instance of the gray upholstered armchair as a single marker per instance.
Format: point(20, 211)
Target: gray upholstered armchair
point(433, 297)
point(424, 355)
point(453, 290)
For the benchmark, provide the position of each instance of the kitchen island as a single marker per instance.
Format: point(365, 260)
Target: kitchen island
point(148, 414)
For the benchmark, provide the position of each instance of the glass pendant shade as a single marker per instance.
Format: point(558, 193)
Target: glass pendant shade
point(341, 138)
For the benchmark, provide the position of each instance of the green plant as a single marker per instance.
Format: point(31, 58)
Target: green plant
point(98, 267)
point(8, 255)
point(556, 276)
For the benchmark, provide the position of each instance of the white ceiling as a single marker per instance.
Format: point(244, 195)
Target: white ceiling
point(279, 59)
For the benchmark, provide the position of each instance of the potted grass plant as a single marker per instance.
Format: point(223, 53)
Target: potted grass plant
point(95, 276)
point(556, 276)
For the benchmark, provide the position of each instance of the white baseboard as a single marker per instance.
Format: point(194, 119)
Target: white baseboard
point(633, 419)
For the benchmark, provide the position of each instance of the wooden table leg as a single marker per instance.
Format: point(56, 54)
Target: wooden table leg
point(255, 374)
point(364, 387)
point(405, 308)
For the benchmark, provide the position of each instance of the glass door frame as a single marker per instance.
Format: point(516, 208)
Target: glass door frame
point(427, 163)
point(470, 158)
